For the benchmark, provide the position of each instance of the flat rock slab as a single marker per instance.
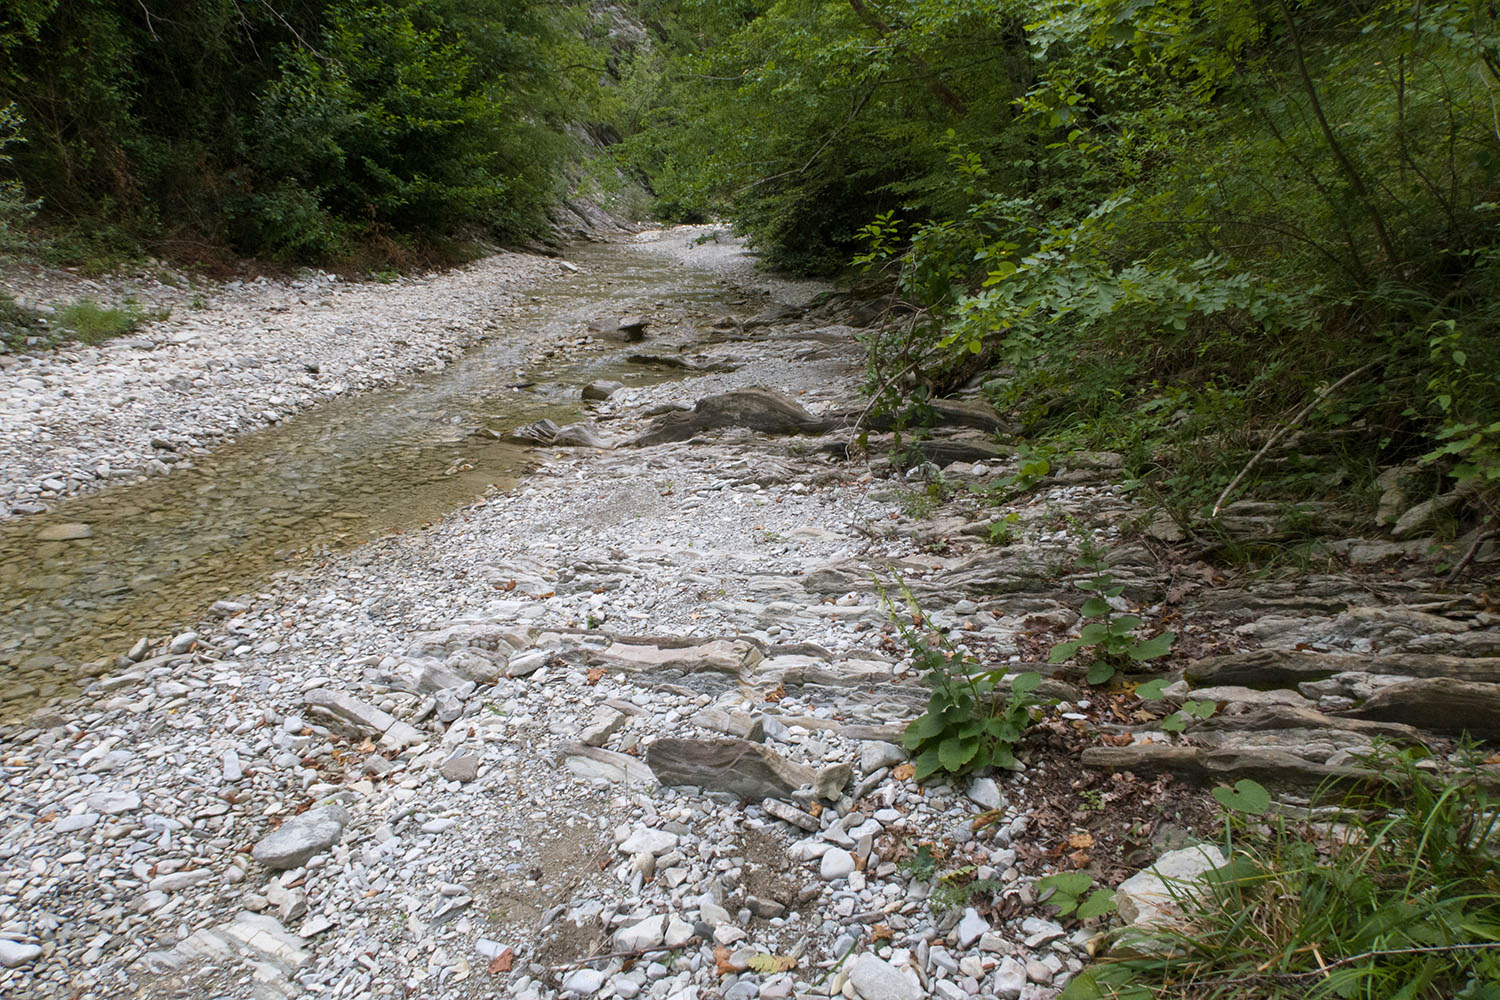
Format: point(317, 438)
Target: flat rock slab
point(730, 656)
point(1271, 766)
point(739, 767)
point(1267, 667)
point(349, 709)
point(758, 409)
point(302, 837)
point(71, 532)
point(1438, 704)
point(605, 765)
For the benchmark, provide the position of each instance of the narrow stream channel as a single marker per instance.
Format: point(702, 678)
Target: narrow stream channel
point(162, 551)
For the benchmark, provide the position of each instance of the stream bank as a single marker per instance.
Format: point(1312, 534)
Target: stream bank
point(429, 766)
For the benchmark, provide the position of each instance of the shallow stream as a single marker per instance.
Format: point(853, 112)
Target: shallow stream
point(159, 553)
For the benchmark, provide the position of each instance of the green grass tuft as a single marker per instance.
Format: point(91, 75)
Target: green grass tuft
point(90, 323)
point(1394, 895)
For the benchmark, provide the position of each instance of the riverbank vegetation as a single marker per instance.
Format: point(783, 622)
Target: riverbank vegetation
point(327, 131)
point(1157, 228)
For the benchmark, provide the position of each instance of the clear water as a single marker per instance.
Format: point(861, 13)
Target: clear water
point(330, 478)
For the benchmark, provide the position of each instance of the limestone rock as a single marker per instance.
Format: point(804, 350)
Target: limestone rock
point(830, 782)
point(601, 389)
point(1148, 899)
point(739, 767)
point(640, 936)
point(1439, 704)
point(463, 765)
point(14, 954)
point(874, 979)
point(337, 705)
point(605, 765)
point(758, 409)
point(730, 656)
point(877, 754)
point(302, 837)
point(1423, 517)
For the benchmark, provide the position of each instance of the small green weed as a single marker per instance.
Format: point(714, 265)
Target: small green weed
point(919, 504)
point(1178, 720)
point(971, 722)
point(958, 888)
point(1003, 531)
point(1032, 467)
point(1068, 894)
point(920, 864)
point(1111, 638)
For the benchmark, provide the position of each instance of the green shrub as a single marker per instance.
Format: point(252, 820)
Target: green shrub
point(14, 206)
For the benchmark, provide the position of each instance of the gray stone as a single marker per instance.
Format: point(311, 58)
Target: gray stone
point(528, 662)
point(648, 841)
point(830, 782)
point(986, 793)
point(302, 837)
point(1424, 517)
point(605, 765)
point(792, 815)
point(578, 435)
point(1009, 979)
point(336, 704)
point(836, 864)
point(14, 954)
point(605, 723)
point(583, 982)
point(874, 979)
point(1439, 704)
point(114, 803)
point(971, 927)
point(183, 643)
point(640, 936)
point(601, 389)
point(739, 767)
point(462, 765)
point(264, 935)
point(875, 754)
point(756, 408)
point(1148, 899)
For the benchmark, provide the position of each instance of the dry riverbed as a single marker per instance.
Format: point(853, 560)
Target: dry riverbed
point(628, 727)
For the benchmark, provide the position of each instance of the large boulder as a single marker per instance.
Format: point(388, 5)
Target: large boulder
point(758, 409)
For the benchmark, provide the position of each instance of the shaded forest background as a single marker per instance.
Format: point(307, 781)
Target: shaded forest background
point(1158, 227)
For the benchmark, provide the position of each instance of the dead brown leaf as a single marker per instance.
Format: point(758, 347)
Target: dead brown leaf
point(722, 965)
point(502, 962)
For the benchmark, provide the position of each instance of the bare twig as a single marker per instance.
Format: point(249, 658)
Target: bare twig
point(1296, 421)
point(1479, 539)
